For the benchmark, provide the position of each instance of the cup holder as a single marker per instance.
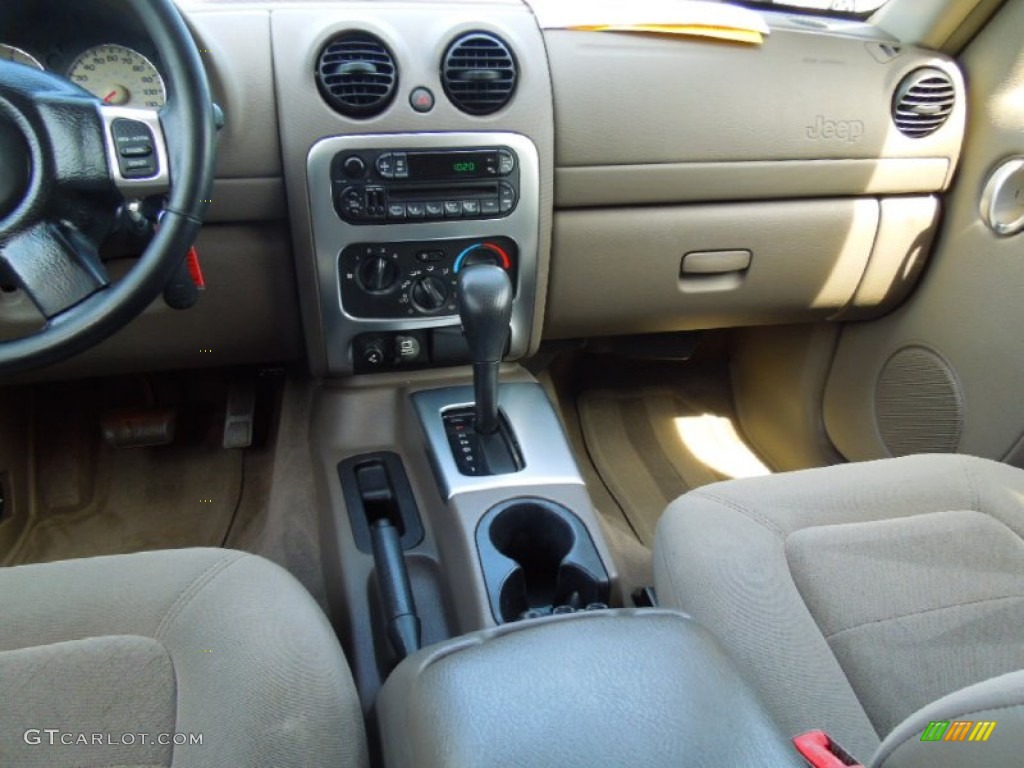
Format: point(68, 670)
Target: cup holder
point(537, 559)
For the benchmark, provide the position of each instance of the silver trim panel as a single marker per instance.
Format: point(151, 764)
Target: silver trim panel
point(136, 188)
point(331, 235)
point(547, 458)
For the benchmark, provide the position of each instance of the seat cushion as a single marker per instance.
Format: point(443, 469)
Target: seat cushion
point(103, 659)
point(854, 595)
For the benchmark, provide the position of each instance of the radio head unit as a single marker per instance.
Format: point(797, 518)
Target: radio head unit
point(393, 185)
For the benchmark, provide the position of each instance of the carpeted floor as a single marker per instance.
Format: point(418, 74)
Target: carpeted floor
point(141, 498)
point(652, 444)
point(80, 497)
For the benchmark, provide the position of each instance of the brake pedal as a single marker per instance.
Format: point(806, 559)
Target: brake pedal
point(240, 415)
point(139, 428)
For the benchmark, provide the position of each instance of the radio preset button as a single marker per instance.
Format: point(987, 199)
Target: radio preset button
point(471, 207)
point(401, 162)
point(506, 162)
point(396, 211)
point(489, 206)
point(415, 210)
point(386, 165)
point(452, 209)
point(435, 210)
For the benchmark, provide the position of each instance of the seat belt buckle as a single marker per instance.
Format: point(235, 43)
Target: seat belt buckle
point(820, 751)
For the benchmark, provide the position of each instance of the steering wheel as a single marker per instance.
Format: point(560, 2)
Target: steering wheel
point(63, 176)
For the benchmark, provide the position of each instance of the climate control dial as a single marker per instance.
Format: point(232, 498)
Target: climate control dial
point(377, 274)
point(429, 294)
point(483, 253)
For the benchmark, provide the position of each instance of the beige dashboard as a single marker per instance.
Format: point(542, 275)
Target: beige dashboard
point(681, 183)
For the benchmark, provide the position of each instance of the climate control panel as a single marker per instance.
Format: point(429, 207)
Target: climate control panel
point(417, 278)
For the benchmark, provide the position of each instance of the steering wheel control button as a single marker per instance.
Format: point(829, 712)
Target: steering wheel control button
point(134, 141)
point(421, 99)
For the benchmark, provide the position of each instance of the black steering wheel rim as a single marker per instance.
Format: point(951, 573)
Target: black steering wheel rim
point(189, 132)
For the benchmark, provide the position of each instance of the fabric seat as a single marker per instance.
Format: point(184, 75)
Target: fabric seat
point(855, 595)
point(103, 659)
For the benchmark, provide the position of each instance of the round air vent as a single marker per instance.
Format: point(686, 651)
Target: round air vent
point(922, 102)
point(479, 73)
point(356, 74)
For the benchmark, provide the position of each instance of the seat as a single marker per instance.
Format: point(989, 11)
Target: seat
point(132, 660)
point(854, 596)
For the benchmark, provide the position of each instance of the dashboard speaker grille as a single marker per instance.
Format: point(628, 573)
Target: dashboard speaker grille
point(918, 403)
point(356, 74)
point(479, 73)
point(922, 102)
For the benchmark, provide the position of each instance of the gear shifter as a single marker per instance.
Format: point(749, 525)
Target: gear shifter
point(485, 307)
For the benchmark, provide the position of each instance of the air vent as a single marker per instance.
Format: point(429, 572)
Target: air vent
point(479, 73)
point(922, 102)
point(357, 74)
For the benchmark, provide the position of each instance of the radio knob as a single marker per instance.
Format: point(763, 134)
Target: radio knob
point(377, 274)
point(354, 167)
point(429, 294)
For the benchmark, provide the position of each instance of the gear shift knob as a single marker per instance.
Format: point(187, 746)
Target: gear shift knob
point(485, 307)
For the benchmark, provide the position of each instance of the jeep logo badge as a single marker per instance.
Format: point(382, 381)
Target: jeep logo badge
point(848, 131)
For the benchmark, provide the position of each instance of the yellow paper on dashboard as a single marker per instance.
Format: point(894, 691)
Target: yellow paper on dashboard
point(679, 18)
point(749, 36)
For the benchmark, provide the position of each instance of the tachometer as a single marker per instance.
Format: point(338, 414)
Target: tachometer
point(18, 56)
point(120, 76)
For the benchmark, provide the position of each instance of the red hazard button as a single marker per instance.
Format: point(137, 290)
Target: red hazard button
point(421, 99)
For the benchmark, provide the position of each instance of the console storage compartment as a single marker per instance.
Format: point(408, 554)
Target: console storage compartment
point(629, 687)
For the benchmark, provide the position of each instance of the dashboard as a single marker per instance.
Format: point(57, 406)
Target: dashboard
point(628, 183)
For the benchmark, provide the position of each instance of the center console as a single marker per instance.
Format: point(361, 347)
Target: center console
point(396, 219)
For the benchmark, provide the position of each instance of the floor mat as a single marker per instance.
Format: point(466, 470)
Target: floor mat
point(142, 498)
point(652, 444)
point(88, 498)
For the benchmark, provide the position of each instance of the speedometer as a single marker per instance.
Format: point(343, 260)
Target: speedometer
point(120, 76)
point(18, 56)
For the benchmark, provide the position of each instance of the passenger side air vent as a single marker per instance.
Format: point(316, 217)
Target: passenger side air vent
point(922, 102)
point(357, 75)
point(479, 73)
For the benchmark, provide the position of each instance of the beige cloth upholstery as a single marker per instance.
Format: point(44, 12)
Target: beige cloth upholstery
point(999, 700)
point(204, 642)
point(853, 596)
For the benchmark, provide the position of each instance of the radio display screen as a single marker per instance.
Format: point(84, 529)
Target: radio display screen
point(453, 165)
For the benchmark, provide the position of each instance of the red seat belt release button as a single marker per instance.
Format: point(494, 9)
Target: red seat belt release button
point(196, 271)
point(820, 751)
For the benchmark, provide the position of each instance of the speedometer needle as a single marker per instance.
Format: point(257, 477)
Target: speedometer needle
point(109, 96)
